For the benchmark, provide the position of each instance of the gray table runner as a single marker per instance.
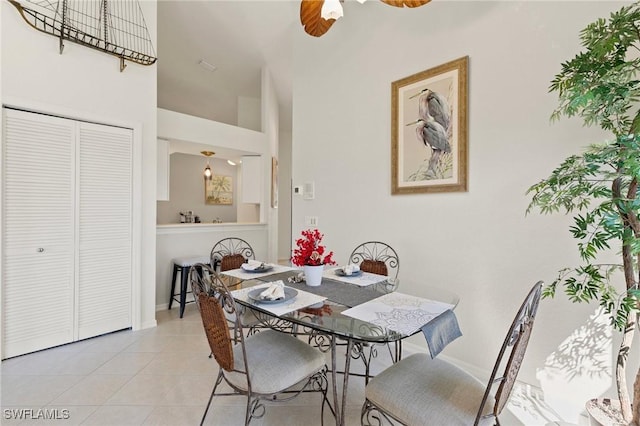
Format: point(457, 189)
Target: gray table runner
point(339, 292)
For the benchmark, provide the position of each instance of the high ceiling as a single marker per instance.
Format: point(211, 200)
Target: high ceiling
point(238, 37)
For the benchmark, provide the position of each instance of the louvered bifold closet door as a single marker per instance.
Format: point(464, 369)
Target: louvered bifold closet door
point(38, 232)
point(105, 264)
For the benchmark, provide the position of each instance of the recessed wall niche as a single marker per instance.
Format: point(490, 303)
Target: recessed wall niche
point(187, 190)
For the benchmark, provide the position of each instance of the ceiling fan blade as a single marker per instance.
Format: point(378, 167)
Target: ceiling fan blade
point(407, 3)
point(310, 18)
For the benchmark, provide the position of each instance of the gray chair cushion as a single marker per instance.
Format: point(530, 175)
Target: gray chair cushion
point(276, 360)
point(419, 390)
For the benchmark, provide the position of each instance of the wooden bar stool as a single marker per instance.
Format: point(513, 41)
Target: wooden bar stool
point(183, 265)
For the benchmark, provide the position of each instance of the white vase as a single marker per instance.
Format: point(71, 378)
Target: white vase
point(313, 275)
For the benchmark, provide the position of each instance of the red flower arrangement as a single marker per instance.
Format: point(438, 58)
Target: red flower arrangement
point(310, 252)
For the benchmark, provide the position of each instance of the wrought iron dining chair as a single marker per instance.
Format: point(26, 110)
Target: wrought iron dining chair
point(268, 366)
point(230, 253)
point(378, 258)
point(419, 390)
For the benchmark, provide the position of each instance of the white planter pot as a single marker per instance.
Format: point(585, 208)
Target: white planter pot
point(313, 275)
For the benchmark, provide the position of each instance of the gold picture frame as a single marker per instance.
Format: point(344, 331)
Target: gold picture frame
point(429, 130)
point(218, 190)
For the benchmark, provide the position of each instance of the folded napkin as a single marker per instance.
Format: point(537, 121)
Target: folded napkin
point(351, 269)
point(274, 291)
point(252, 265)
point(441, 331)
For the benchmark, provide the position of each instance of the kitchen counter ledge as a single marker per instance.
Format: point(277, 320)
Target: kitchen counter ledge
point(187, 228)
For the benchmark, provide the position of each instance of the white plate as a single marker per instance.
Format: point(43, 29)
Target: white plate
point(262, 268)
point(340, 273)
point(289, 293)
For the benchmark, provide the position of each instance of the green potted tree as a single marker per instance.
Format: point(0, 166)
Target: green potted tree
point(600, 186)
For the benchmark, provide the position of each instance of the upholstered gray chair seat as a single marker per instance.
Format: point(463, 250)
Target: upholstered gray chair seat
point(277, 361)
point(400, 391)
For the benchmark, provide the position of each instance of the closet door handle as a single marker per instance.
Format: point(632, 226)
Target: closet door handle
point(40, 250)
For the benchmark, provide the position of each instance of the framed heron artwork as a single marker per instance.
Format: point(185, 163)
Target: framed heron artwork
point(429, 130)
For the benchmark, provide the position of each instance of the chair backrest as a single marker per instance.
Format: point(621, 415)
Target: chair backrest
point(231, 261)
point(374, 266)
point(230, 253)
point(217, 310)
point(515, 345)
point(376, 257)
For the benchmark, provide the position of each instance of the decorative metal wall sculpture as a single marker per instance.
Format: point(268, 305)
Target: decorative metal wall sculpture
point(116, 27)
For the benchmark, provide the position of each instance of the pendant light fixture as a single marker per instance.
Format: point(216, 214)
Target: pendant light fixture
point(208, 173)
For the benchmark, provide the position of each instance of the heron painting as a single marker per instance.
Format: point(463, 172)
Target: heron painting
point(434, 131)
point(218, 190)
point(429, 130)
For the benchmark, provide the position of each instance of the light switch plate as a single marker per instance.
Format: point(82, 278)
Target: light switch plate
point(309, 191)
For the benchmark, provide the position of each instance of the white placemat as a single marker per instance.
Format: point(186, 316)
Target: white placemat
point(399, 312)
point(302, 300)
point(244, 275)
point(363, 280)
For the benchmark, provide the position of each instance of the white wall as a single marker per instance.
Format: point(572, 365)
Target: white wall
point(478, 244)
point(249, 113)
point(270, 127)
point(176, 126)
point(284, 195)
point(87, 84)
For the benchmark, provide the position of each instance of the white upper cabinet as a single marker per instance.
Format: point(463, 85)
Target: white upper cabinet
point(252, 181)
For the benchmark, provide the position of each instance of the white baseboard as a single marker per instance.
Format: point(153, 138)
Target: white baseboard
point(165, 306)
point(149, 324)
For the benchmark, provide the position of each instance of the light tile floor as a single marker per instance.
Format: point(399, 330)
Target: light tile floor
point(163, 376)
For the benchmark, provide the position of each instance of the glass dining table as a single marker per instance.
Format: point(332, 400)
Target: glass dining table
point(324, 323)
